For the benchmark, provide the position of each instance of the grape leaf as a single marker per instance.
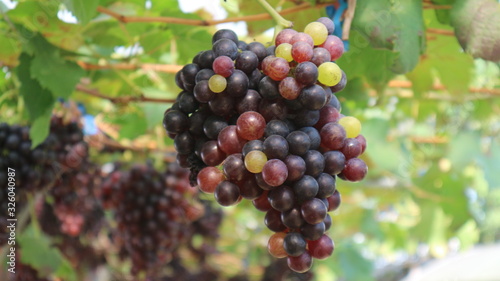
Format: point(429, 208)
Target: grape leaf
point(443, 15)
point(38, 252)
point(37, 100)
point(83, 10)
point(477, 27)
point(393, 25)
point(48, 67)
point(468, 143)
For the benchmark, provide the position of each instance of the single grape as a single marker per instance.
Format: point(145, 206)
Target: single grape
point(261, 203)
point(273, 221)
point(327, 114)
point(334, 162)
point(302, 37)
point(306, 117)
point(223, 66)
point(352, 148)
point(213, 125)
point(225, 33)
point(362, 141)
point(211, 154)
point(208, 179)
point(217, 83)
point(299, 143)
point(227, 193)
point(249, 102)
point(249, 188)
point(222, 104)
point(327, 185)
point(251, 125)
point(269, 88)
point(278, 69)
point(289, 88)
point(321, 248)
point(317, 31)
point(275, 245)
point(175, 121)
point(355, 170)
point(313, 97)
point(276, 127)
point(329, 74)
point(274, 172)
point(334, 201)
point(257, 48)
point(315, 163)
point(313, 211)
point(275, 147)
point(204, 74)
point(300, 264)
point(306, 73)
point(333, 136)
point(302, 51)
point(251, 146)
point(285, 36)
point(247, 62)
point(284, 51)
point(351, 125)
point(306, 188)
point(334, 45)
point(296, 167)
point(237, 84)
point(292, 218)
point(294, 244)
point(225, 47)
point(184, 143)
point(314, 136)
point(202, 92)
point(282, 198)
point(330, 26)
point(255, 161)
point(313, 231)
point(234, 167)
point(320, 55)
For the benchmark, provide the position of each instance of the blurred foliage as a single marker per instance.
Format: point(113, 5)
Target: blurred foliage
point(433, 149)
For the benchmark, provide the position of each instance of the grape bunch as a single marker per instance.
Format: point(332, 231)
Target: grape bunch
point(62, 151)
point(265, 124)
point(152, 211)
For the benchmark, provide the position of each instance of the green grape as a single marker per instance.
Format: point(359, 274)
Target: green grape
point(329, 74)
point(284, 50)
point(217, 83)
point(351, 125)
point(255, 160)
point(317, 31)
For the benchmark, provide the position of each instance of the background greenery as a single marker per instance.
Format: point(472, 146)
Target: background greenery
point(430, 112)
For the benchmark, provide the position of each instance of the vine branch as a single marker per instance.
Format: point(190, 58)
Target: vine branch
point(440, 31)
point(125, 99)
point(173, 20)
point(275, 15)
point(168, 68)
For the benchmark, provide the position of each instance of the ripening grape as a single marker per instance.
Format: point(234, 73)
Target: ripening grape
point(255, 161)
point(275, 245)
point(317, 31)
point(329, 74)
point(217, 83)
point(302, 51)
point(223, 66)
point(251, 125)
point(351, 125)
point(285, 36)
point(284, 51)
point(208, 179)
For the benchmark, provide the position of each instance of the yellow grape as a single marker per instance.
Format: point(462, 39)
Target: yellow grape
point(329, 74)
point(351, 125)
point(284, 50)
point(317, 31)
point(217, 83)
point(255, 160)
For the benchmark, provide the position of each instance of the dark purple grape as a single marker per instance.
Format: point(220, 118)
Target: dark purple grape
point(247, 62)
point(275, 147)
point(282, 198)
point(292, 218)
point(225, 33)
point(306, 73)
point(276, 127)
point(234, 167)
point(313, 211)
point(175, 121)
point(225, 47)
point(313, 232)
point(257, 48)
point(202, 92)
point(313, 97)
point(184, 143)
point(249, 102)
point(306, 118)
point(296, 167)
point(306, 188)
point(213, 125)
point(237, 84)
point(334, 162)
point(327, 185)
point(204, 74)
point(294, 244)
point(227, 193)
point(315, 163)
point(273, 221)
point(355, 170)
point(188, 73)
point(222, 104)
point(269, 88)
point(207, 59)
point(299, 143)
point(252, 145)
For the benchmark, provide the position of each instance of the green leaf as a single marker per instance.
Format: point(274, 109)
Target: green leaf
point(83, 10)
point(38, 100)
point(354, 265)
point(421, 77)
point(477, 26)
point(393, 25)
point(48, 67)
point(443, 15)
point(463, 149)
point(132, 124)
point(38, 252)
